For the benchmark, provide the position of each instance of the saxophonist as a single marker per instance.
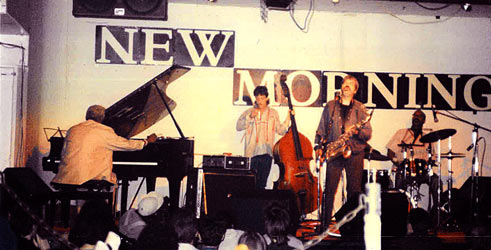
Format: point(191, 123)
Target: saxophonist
point(341, 116)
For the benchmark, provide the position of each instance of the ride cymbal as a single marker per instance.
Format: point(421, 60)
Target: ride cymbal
point(438, 135)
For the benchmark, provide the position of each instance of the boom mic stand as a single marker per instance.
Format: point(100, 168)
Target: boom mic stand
point(475, 164)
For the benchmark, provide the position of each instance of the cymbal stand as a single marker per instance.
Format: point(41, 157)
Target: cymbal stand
point(413, 184)
point(439, 188)
point(372, 174)
point(403, 185)
point(450, 172)
point(474, 175)
point(475, 162)
point(430, 173)
point(319, 193)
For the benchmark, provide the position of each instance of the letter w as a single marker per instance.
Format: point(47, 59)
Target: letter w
point(206, 38)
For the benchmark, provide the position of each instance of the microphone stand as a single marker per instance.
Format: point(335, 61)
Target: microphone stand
point(475, 163)
point(474, 177)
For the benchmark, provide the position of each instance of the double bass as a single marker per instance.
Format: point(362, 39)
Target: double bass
point(293, 153)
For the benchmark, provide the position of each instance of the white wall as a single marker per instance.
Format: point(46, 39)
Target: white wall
point(64, 79)
point(13, 81)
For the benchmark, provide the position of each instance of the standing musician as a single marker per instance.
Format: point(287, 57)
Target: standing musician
point(415, 151)
point(339, 116)
point(261, 123)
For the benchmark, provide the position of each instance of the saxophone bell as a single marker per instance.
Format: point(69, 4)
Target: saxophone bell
point(346, 151)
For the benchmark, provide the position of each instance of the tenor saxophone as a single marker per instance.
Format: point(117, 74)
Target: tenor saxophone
point(340, 146)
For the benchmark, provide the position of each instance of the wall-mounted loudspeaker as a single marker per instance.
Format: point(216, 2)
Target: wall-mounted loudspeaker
point(128, 9)
point(278, 4)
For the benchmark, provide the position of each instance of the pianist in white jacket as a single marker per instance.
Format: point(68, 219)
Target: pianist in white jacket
point(88, 150)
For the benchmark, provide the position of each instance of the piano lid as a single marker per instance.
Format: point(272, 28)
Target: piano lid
point(143, 107)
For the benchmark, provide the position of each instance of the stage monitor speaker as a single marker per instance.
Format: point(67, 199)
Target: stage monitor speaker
point(248, 208)
point(462, 205)
point(220, 186)
point(27, 184)
point(127, 9)
point(394, 215)
point(29, 187)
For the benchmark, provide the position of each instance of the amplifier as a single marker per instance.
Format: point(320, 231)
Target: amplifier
point(226, 162)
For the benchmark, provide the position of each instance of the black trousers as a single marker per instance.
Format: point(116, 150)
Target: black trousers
point(354, 170)
point(261, 166)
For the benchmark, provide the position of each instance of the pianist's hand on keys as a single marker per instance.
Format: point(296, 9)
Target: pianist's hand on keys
point(151, 138)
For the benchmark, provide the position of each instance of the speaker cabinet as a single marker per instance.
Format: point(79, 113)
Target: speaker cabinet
point(128, 9)
point(220, 186)
point(464, 211)
point(278, 4)
point(248, 208)
point(29, 187)
point(27, 184)
point(394, 215)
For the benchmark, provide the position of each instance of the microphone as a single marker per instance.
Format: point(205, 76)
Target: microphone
point(435, 119)
point(256, 106)
point(337, 95)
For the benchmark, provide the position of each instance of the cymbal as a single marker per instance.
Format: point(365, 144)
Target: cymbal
point(409, 145)
point(451, 155)
point(374, 155)
point(438, 135)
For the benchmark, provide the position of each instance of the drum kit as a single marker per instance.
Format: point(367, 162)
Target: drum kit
point(372, 175)
point(412, 172)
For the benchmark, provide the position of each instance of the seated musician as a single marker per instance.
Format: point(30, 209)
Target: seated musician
point(261, 123)
point(408, 140)
point(88, 150)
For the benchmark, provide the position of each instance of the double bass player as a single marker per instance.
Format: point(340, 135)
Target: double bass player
point(338, 117)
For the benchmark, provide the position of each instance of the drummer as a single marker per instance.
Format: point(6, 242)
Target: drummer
point(408, 140)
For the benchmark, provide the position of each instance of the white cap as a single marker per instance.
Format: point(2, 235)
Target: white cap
point(150, 203)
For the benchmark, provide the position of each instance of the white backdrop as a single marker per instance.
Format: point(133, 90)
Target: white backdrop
point(65, 79)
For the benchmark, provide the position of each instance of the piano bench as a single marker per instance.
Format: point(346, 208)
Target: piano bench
point(93, 189)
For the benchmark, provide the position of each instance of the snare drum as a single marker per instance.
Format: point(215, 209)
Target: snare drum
point(382, 178)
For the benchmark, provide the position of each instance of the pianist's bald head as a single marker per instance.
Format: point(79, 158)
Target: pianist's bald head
point(96, 113)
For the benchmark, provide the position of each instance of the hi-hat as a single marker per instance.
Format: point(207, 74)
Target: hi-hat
point(409, 145)
point(438, 135)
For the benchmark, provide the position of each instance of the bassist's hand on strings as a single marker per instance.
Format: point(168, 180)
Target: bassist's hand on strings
point(292, 113)
point(318, 153)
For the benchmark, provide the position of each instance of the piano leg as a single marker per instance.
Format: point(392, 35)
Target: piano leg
point(150, 184)
point(174, 188)
point(124, 195)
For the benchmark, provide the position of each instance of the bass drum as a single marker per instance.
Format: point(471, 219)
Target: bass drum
point(382, 178)
point(408, 172)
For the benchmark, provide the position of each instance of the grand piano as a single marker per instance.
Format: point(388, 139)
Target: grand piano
point(167, 157)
